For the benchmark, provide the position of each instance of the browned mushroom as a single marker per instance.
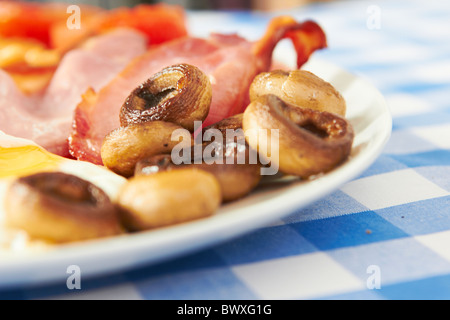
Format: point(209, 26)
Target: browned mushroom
point(180, 94)
point(229, 159)
point(235, 180)
point(168, 198)
point(299, 88)
point(125, 146)
point(233, 123)
point(60, 208)
point(310, 141)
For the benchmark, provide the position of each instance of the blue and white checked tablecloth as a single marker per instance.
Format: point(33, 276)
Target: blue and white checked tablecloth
point(384, 235)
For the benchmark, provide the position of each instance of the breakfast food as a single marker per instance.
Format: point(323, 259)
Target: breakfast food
point(311, 142)
point(76, 61)
point(117, 96)
point(236, 180)
point(52, 24)
point(46, 118)
point(180, 94)
point(125, 146)
point(60, 208)
point(223, 151)
point(300, 88)
point(229, 61)
point(168, 198)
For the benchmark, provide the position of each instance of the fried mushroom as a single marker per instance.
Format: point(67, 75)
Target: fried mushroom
point(125, 146)
point(168, 198)
point(60, 208)
point(310, 142)
point(299, 88)
point(180, 94)
point(235, 180)
point(229, 159)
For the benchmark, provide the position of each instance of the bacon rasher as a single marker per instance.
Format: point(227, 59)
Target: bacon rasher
point(46, 119)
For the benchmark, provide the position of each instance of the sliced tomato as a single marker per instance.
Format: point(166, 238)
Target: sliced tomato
point(29, 20)
point(160, 22)
point(47, 22)
point(63, 39)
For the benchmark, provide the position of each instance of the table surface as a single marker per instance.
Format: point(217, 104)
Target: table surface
point(403, 48)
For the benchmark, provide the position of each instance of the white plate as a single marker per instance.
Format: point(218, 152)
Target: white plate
point(372, 123)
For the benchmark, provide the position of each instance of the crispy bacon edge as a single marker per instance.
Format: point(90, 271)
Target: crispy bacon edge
point(306, 37)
